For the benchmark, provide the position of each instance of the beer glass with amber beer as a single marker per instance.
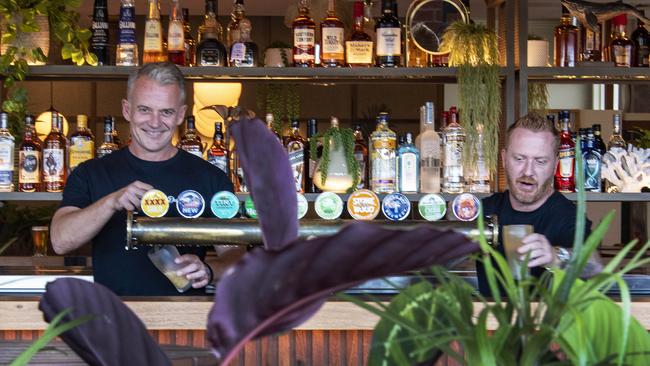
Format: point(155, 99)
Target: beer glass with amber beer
point(512, 236)
point(39, 238)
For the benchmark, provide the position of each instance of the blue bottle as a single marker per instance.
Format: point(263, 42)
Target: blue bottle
point(408, 166)
point(591, 163)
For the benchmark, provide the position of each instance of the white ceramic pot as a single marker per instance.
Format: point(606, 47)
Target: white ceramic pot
point(537, 53)
point(274, 57)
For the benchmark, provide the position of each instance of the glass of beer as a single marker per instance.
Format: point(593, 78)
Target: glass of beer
point(163, 257)
point(40, 236)
point(512, 236)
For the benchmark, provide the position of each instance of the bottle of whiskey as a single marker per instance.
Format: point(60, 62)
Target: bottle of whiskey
point(218, 29)
point(243, 51)
point(428, 143)
point(621, 48)
point(312, 131)
point(566, 41)
point(99, 27)
point(359, 48)
point(190, 141)
point(295, 145)
point(176, 35)
point(29, 159)
point(565, 172)
point(361, 155)
point(54, 161)
point(591, 44)
point(108, 146)
point(7, 147)
point(389, 37)
point(408, 166)
point(82, 144)
point(153, 39)
point(218, 152)
point(232, 29)
point(190, 42)
point(210, 51)
point(304, 37)
point(641, 39)
point(453, 140)
point(127, 49)
point(383, 162)
point(332, 38)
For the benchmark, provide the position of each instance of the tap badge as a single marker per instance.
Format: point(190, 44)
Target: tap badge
point(154, 203)
point(249, 208)
point(303, 206)
point(328, 205)
point(190, 204)
point(224, 205)
point(432, 207)
point(465, 207)
point(363, 204)
point(396, 206)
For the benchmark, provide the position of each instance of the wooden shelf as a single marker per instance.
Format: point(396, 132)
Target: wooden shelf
point(591, 74)
point(30, 196)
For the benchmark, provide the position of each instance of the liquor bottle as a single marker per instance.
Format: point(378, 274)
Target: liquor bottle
point(408, 166)
point(566, 41)
point(233, 29)
point(210, 51)
point(621, 49)
point(361, 156)
point(383, 157)
point(190, 42)
point(428, 143)
point(212, 22)
point(332, 38)
point(99, 27)
point(176, 35)
point(599, 144)
point(127, 48)
point(479, 178)
point(153, 39)
point(565, 171)
point(389, 37)
point(295, 145)
point(243, 51)
point(453, 139)
point(591, 44)
point(312, 131)
point(82, 144)
point(270, 123)
point(641, 39)
point(54, 161)
point(591, 158)
point(108, 146)
point(191, 142)
point(304, 37)
point(29, 159)
point(7, 147)
point(116, 139)
point(359, 49)
point(616, 141)
point(218, 152)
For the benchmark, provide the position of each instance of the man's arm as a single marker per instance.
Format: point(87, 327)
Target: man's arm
point(543, 254)
point(72, 227)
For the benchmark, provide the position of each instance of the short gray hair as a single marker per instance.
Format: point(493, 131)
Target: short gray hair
point(164, 73)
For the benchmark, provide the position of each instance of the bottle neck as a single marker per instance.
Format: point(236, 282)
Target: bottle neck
point(618, 30)
point(331, 8)
point(565, 20)
point(154, 10)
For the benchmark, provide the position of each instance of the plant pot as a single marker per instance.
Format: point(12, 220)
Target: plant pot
point(278, 57)
point(31, 40)
point(338, 178)
point(537, 53)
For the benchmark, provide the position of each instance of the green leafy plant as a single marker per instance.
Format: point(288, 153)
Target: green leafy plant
point(641, 138)
point(19, 17)
point(53, 330)
point(538, 97)
point(573, 322)
point(15, 225)
point(282, 100)
point(332, 138)
point(473, 50)
point(282, 46)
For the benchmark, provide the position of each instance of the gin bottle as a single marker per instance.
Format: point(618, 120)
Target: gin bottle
point(408, 166)
point(7, 145)
point(127, 49)
point(453, 137)
point(479, 181)
point(99, 27)
point(428, 143)
point(383, 157)
point(592, 163)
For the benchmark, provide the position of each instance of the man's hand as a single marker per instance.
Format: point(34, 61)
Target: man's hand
point(194, 270)
point(541, 251)
point(128, 198)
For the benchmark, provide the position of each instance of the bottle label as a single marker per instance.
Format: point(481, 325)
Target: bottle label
point(358, 156)
point(238, 52)
point(358, 52)
point(622, 55)
point(99, 27)
point(389, 42)
point(592, 171)
point(28, 167)
point(127, 25)
point(303, 43)
point(175, 36)
point(383, 165)
point(210, 57)
point(453, 152)
point(567, 160)
point(80, 150)
point(219, 161)
point(53, 165)
point(194, 150)
point(297, 161)
point(7, 155)
point(152, 36)
point(332, 41)
point(408, 177)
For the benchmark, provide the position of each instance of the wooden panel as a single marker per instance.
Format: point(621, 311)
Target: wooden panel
point(285, 355)
point(303, 347)
point(336, 347)
point(320, 346)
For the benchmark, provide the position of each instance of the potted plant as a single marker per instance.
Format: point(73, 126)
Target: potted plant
point(537, 54)
point(281, 100)
point(19, 20)
point(278, 54)
point(336, 160)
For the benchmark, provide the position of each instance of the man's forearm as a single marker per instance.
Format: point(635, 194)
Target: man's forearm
point(72, 227)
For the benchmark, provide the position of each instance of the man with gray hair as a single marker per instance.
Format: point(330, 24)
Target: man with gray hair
point(99, 192)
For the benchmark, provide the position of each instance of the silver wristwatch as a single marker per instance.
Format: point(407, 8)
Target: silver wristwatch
point(563, 255)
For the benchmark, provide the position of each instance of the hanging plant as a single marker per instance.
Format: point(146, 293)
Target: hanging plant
point(538, 98)
point(473, 50)
point(281, 100)
point(333, 138)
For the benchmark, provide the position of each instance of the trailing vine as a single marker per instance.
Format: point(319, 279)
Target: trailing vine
point(473, 50)
point(538, 97)
point(338, 137)
point(281, 100)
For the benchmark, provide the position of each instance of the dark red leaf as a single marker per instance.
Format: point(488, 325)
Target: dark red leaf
point(269, 179)
point(269, 292)
point(115, 336)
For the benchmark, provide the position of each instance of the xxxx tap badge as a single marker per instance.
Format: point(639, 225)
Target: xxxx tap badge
point(249, 208)
point(465, 207)
point(154, 203)
point(363, 204)
point(224, 205)
point(303, 206)
point(432, 207)
point(190, 204)
point(329, 206)
point(396, 206)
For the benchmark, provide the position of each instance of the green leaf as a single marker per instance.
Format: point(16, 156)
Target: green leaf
point(66, 51)
point(84, 34)
point(91, 59)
